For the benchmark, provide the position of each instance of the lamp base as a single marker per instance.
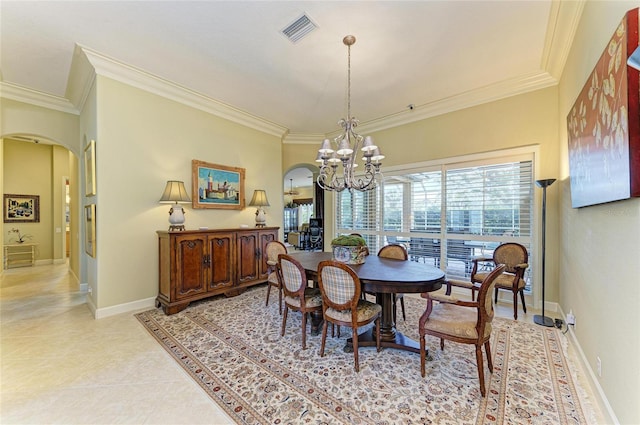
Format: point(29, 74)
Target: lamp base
point(179, 227)
point(543, 321)
point(260, 224)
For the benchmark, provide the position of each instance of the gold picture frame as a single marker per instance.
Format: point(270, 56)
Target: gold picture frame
point(217, 186)
point(90, 229)
point(90, 168)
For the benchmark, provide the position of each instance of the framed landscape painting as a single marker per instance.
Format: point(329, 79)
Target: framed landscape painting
point(217, 186)
point(603, 126)
point(21, 208)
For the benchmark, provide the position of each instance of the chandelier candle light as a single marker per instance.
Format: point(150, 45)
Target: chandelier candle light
point(346, 147)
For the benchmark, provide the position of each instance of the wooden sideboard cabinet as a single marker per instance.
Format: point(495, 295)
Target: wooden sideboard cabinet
point(196, 264)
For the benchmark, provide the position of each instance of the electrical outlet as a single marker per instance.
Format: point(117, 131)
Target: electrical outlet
point(571, 319)
point(598, 366)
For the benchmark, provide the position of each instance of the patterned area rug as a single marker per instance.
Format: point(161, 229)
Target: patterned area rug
point(233, 349)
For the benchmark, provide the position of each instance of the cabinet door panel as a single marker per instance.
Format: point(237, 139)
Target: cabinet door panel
point(190, 270)
point(222, 254)
point(248, 248)
point(265, 238)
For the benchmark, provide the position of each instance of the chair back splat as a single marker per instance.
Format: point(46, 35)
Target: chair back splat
point(515, 258)
point(297, 296)
point(273, 249)
point(397, 252)
point(342, 305)
point(466, 322)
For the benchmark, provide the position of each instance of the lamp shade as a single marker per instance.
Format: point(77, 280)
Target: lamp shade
point(174, 192)
point(259, 199)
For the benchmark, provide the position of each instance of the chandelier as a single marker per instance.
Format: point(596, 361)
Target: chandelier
point(344, 150)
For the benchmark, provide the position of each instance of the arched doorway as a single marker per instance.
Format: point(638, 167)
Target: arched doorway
point(302, 202)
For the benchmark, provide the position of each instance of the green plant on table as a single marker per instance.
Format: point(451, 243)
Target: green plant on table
point(349, 240)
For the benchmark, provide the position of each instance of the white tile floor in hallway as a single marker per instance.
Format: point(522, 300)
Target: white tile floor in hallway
point(60, 366)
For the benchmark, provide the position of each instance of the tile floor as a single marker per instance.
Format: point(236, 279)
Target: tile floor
point(60, 366)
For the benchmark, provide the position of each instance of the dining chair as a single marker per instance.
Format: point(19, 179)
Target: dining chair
point(515, 257)
point(273, 249)
point(342, 304)
point(466, 322)
point(297, 295)
point(397, 252)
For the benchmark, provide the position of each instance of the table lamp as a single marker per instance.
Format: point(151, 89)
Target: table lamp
point(259, 200)
point(175, 193)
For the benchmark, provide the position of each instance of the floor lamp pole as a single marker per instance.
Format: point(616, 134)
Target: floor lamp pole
point(542, 319)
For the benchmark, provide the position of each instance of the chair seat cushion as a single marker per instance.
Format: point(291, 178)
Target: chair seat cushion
point(504, 281)
point(456, 321)
point(273, 279)
point(365, 311)
point(312, 298)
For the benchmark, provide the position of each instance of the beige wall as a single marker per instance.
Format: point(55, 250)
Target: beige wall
point(599, 248)
point(142, 141)
point(62, 128)
point(38, 169)
point(524, 120)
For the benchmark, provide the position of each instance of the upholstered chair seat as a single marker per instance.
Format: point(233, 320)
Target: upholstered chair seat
point(312, 298)
point(365, 312)
point(466, 322)
point(297, 295)
point(342, 304)
point(273, 249)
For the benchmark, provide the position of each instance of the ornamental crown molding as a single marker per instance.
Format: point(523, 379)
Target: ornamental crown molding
point(130, 75)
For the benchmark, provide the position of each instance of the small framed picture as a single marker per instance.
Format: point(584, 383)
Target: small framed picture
point(90, 168)
point(21, 208)
point(90, 229)
point(217, 186)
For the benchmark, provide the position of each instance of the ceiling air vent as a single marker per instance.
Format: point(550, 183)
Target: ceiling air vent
point(299, 28)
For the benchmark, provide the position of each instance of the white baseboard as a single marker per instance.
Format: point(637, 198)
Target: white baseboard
point(601, 398)
point(101, 313)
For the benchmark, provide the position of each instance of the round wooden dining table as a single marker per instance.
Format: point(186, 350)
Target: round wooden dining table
point(384, 277)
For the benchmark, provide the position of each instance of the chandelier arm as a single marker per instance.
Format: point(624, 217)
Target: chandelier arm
point(347, 146)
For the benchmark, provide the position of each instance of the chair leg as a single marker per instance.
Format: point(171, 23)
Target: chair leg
point(280, 299)
point(325, 325)
point(515, 306)
point(524, 307)
point(487, 349)
point(480, 369)
point(442, 344)
point(268, 292)
point(377, 322)
point(423, 355)
point(496, 298)
point(402, 306)
point(354, 340)
point(284, 319)
point(304, 331)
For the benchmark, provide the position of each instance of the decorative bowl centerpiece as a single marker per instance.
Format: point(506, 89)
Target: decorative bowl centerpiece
point(349, 249)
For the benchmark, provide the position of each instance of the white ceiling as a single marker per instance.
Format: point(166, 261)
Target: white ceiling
point(435, 55)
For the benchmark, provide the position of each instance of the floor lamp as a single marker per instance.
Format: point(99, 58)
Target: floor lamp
point(542, 319)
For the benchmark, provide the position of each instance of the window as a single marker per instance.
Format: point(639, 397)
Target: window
point(448, 213)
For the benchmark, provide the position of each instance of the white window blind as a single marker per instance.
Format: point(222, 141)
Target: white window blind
point(447, 214)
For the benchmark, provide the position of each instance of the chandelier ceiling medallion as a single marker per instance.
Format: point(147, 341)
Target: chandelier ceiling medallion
point(344, 150)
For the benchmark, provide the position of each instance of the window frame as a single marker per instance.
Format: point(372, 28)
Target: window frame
point(528, 153)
